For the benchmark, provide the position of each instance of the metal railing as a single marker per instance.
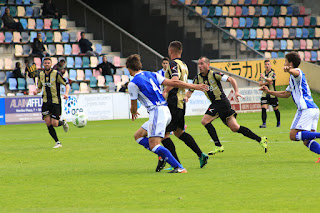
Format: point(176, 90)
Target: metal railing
point(111, 34)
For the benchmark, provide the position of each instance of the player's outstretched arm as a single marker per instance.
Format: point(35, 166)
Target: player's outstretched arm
point(280, 94)
point(188, 95)
point(181, 84)
point(291, 71)
point(65, 95)
point(235, 87)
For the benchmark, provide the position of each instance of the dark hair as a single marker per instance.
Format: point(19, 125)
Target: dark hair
point(47, 58)
point(293, 57)
point(26, 61)
point(165, 59)
point(17, 64)
point(205, 59)
point(176, 46)
point(82, 33)
point(267, 60)
point(62, 60)
point(133, 62)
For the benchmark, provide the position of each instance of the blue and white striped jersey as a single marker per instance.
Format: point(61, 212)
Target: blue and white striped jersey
point(300, 91)
point(145, 86)
point(161, 72)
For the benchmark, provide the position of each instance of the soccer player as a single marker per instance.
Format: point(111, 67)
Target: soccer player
point(165, 65)
point(49, 81)
point(305, 122)
point(268, 78)
point(220, 106)
point(145, 87)
point(178, 70)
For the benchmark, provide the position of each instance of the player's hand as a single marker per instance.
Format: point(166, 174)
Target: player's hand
point(264, 88)
point(261, 75)
point(134, 115)
point(202, 87)
point(185, 99)
point(164, 94)
point(65, 96)
point(239, 95)
point(35, 92)
point(286, 68)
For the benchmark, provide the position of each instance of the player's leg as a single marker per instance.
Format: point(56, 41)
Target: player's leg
point(264, 107)
point(275, 104)
point(56, 115)
point(141, 135)
point(235, 127)
point(46, 116)
point(206, 121)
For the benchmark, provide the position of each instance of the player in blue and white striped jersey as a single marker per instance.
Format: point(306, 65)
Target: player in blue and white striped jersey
point(305, 122)
point(145, 87)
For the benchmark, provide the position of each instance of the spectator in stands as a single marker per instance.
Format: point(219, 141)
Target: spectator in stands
point(124, 87)
point(38, 48)
point(31, 70)
point(85, 46)
point(60, 66)
point(105, 67)
point(17, 71)
point(49, 10)
point(9, 22)
point(165, 65)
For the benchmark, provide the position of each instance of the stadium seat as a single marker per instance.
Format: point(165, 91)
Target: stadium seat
point(31, 24)
point(279, 33)
point(30, 81)
point(298, 32)
point(306, 21)
point(80, 75)
point(8, 37)
point(65, 36)
point(245, 11)
point(70, 62)
point(54, 24)
point(2, 91)
point(305, 33)
point(318, 53)
point(289, 44)
point(314, 56)
point(8, 63)
point(93, 82)
point(307, 56)
point(21, 12)
point(38, 62)
point(228, 22)
point(311, 32)
point(274, 55)
point(88, 74)
point(309, 44)
point(268, 22)
point(283, 10)
point(292, 33)
point(255, 22)
point(234, 2)
point(72, 74)
point(232, 11)
point(225, 11)
point(116, 79)
point(256, 44)
point(75, 87)
point(281, 22)
point(205, 11)
point(302, 10)
point(283, 44)
point(98, 48)
point(259, 33)
point(29, 12)
point(26, 49)
point(249, 22)
point(108, 79)
point(77, 62)
point(270, 11)
point(59, 49)
point(16, 37)
point(33, 35)
point(36, 12)
point(285, 33)
point(252, 11)
point(263, 45)
point(13, 11)
point(73, 37)
point(315, 44)
point(289, 11)
point(9, 75)
point(47, 24)
point(13, 84)
point(276, 45)
point(317, 32)
point(67, 49)
point(24, 23)
point(218, 11)
point(275, 22)
point(295, 10)
point(2, 37)
point(313, 21)
point(31, 89)
point(101, 81)
point(112, 87)
point(238, 11)
point(21, 84)
point(52, 49)
point(39, 24)
point(57, 37)
point(288, 21)
point(270, 45)
point(2, 77)
point(239, 34)
point(24, 37)
point(280, 55)
point(266, 33)
point(75, 49)
point(294, 21)
point(303, 44)
point(84, 87)
point(85, 62)
point(300, 22)
point(277, 11)
point(235, 22)
point(252, 33)
point(246, 34)
point(18, 51)
point(49, 37)
point(264, 11)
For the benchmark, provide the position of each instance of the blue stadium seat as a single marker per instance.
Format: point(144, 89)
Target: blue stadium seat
point(253, 33)
point(245, 11)
point(65, 36)
point(78, 62)
point(26, 49)
point(72, 74)
point(205, 11)
point(99, 48)
point(298, 32)
point(274, 55)
point(27, 1)
point(315, 44)
point(108, 79)
point(126, 71)
point(264, 11)
point(93, 82)
point(13, 84)
point(279, 33)
point(234, 2)
point(270, 11)
point(70, 62)
point(295, 10)
point(22, 84)
point(300, 21)
point(201, 2)
point(52, 49)
point(33, 35)
point(2, 91)
point(247, 2)
point(67, 49)
point(88, 74)
point(24, 37)
point(73, 37)
point(279, 2)
point(85, 62)
point(257, 11)
point(9, 75)
point(19, 2)
point(8, 37)
point(43, 36)
point(29, 11)
point(250, 44)
point(218, 11)
point(242, 22)
point(249, 22)
point(49, 37)
point(283, 44)
point(239, 34)
point(289, 11)
point(288, 21)
point(208, 25)
point(292, 33)
point(36, 12)
point(24, 23)
point(280, 55)
point(314, 55)
point(39, 24)
point(305, 33)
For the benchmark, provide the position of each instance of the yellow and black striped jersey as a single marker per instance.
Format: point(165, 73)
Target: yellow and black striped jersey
point(177, 68)
point(213, 80)
point(272, 87)
point(51, 86)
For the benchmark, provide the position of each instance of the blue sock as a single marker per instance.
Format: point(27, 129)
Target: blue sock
point(314, 146)
point(307, 135)
point(144, 142)
point(166, 154)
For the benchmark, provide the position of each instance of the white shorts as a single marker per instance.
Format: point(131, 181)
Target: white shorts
point(306, 119)
point(159, 119)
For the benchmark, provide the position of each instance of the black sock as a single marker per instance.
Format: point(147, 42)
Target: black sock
point(264, 115)
point(213, 134)
point(277, 112)
point(60, 123)
point(53, 133)
point(171, 147)
point(190, 142)
point(248, 133)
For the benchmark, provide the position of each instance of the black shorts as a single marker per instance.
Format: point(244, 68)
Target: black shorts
point(52, 110)
point(271, 101)
point(222, 109)
point(177, 119)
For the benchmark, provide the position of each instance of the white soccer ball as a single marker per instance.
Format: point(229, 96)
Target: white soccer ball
point(80, 120)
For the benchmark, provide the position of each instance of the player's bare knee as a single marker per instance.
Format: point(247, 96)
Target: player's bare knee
point(234, 128)
point(204, 122)
point(292, 137)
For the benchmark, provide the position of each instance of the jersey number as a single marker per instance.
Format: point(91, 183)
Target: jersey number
point(154, 86)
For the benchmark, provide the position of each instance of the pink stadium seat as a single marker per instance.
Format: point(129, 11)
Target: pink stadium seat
point(59, 49)
point(31, 24)
point(254, 2)
point(273, 33)
point(116, 61)
point(8, 64)
point(302, 10)
point(38, 62)
point(1, 37)
point(232, 11)
point(307, 21)
point(262, 22)
point(75, 49)
point(275, 21)
point(266, 33)
point(16, 37)
point(116, 79)
point(318, 53)
point(263, 45)
point(235, 22)
point(101, 81)
point(238, 11)
point(47, 24)
point(307, 56)
point(96, 73)
point(303, 44)
point(54, 60)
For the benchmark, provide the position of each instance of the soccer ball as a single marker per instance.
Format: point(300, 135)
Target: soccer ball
point(80, 120)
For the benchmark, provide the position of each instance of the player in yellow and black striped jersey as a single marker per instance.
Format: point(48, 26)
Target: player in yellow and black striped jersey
point(49, 84)
point(268, 78)
point(220, 105)
point(178, 70)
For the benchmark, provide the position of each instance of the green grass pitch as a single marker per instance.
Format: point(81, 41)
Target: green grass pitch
point(100, 168)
